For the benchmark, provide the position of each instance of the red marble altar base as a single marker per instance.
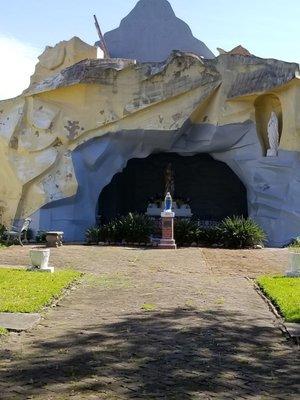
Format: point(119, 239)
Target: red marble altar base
point(167, 241)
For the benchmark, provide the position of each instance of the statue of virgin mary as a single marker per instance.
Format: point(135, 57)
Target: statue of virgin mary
point(273, 136)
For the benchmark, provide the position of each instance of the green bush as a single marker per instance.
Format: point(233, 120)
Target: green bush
point(106, 233)
point(113, 231)
point(3, 243)
point(238, 233)
point(295, 243)
point(29, 235)
point(41, 237)
point(233, 232)
point(136, 228)
point(208, 236)
point(186, 232)
point(93, 235)
point(132, 228)
point(2, 230)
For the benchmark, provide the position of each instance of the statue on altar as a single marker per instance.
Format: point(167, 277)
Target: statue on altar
point(169, 180)
point(168, 203)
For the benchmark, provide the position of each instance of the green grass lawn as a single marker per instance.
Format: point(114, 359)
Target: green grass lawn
point(3, 331)
point(26, 291)
point(148, 307)
point(284, 293)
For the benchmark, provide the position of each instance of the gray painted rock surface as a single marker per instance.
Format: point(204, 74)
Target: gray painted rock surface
point(150, 32)
point(273, 199)
point(267, 74)
point(18, 321)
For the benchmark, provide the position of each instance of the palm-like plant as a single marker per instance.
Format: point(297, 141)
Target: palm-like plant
point(239, 232)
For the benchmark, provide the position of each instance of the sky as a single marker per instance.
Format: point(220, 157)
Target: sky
point(267, 28)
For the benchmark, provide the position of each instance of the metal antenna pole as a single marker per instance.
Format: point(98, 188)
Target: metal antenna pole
point(102, 41)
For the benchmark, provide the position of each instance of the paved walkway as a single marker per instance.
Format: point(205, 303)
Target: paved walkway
point(151, 325)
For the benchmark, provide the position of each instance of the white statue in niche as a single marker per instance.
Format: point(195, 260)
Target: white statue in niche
point(273, 135)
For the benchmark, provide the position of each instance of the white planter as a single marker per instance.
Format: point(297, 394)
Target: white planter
point(40, 259)
point(294, 264)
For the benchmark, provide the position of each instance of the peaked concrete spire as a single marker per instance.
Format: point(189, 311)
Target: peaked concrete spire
point(150, 32)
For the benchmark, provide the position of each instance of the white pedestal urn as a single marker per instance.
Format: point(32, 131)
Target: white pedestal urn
point(39, 259)
point(294, 264)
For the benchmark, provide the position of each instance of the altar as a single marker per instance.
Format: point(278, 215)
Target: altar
point(179, 206)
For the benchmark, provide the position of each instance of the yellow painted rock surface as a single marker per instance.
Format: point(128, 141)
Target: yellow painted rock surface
point(73, 97)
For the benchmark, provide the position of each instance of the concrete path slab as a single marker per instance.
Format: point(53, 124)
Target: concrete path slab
point(19, 321)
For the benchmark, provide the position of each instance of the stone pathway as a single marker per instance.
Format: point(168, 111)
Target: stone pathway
point(153, 324)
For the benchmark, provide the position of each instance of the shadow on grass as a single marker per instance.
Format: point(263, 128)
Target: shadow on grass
point(173, 354)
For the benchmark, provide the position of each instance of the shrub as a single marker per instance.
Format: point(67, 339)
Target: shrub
point(106, 233)
point(238, 232)
point(136, 228)
point(133, 228)
point(294, 246)
point(233, 232)
point(2, 230)
point(29, 234)
point(186, 232)
point(93, 235)
point(40, 237)
point(208, 236)
point(113, 231)
point(295, 243)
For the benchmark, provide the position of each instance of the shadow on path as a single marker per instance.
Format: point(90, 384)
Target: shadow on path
point(173, 354)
